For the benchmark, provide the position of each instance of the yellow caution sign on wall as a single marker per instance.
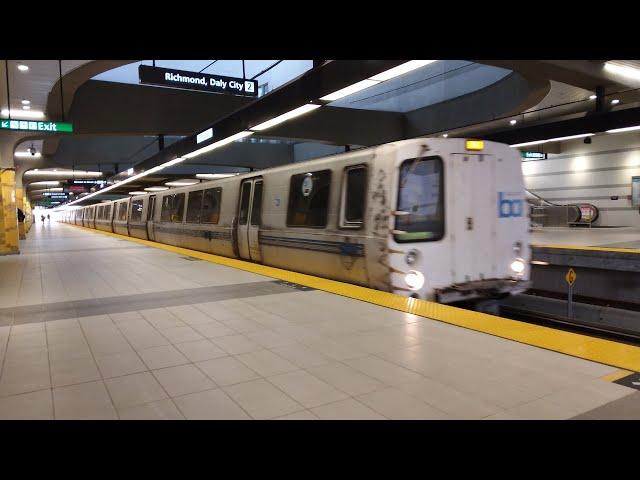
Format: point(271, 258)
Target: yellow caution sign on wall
point(571, 276)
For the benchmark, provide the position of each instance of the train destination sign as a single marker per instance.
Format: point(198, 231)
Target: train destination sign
point(533, 155)
point(32, 126)
point(168, 77)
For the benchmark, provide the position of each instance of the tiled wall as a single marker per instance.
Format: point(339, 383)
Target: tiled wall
point(594, 173)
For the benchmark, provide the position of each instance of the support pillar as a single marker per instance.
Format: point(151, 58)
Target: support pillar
point(20, 204)
point(9, 236)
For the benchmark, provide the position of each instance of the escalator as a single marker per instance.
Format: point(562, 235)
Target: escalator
point(543, 213)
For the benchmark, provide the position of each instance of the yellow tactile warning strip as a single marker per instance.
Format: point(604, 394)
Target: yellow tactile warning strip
point(589, 348)
point(617, 375)
point(593, 249)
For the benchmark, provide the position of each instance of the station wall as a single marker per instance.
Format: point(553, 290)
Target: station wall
point(591, 173)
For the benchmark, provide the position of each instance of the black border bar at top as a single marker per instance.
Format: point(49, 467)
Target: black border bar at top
point(321, 80)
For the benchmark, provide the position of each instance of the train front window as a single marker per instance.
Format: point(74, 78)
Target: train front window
point(356, 188)
point(421, 198)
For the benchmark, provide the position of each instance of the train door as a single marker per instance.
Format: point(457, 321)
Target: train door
point(473, 217)
point(249, 219)
point(151, 210)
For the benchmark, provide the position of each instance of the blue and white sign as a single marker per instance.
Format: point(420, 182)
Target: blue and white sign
point(510, 204)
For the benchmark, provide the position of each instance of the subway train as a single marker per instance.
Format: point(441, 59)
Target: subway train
point(430, 218)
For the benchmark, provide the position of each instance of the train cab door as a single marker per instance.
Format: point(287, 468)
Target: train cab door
point(473, 215)
point(249, 219)
point(151, 210)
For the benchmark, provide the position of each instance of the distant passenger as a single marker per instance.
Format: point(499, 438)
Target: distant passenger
point(42, 218)
point(48, 217)
point(20, 216)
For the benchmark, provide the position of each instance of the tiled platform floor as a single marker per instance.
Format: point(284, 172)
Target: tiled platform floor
point(85, 333)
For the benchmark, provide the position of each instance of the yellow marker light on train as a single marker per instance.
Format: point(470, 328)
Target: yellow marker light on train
point(475, 145)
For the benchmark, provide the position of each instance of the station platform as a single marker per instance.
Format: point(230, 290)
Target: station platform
point(98, 326)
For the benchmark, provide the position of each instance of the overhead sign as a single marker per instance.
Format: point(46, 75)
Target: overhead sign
point(571, 276)
point(167, 77)
point(533, 155)
point(36, 126)
point(635, 191)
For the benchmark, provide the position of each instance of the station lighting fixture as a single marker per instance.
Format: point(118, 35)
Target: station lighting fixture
point(46, 182)
point(26, 102)
point(445, 135)
point(26, 107)
point(22, 67)
point(156, 189)
point(615, 101)
point(138, 193)
point(624, 70)
point(625, 129)
point(213, 176)
point(22, 113)
point(296, 112)
point(512, 122)
point(27, 155)
point(218, 144)
point(378, 78)
point(557, 139)
point(181, 183)
point(63, 173)
point(592, 97)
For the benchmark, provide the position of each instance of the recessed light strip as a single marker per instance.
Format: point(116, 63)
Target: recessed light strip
point(558, 139)
point(17, 114)
point(218, 144)
point(625, 129)
point(623, 70)
point(296, 112)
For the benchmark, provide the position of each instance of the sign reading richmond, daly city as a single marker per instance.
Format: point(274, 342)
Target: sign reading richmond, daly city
point(168, 77)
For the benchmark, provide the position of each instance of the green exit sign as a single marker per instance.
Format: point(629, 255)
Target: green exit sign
point(533, 155)
point(31, 126)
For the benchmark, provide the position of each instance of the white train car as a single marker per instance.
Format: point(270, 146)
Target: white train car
point(436, 219)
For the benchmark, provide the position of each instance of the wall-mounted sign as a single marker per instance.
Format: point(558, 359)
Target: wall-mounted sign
point(36, 126)
point(533, 155)
point(206, 135)
point(635, 191)
point(168, 77)
point(90, 182)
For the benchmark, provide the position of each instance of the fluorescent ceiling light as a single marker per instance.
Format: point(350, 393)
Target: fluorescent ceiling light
point(137, 193)
point(592, 97)
point(512, 122)
point(615, 101)
point(212, 176)
point(625, 129)
point(27, 155)
point(218, 144)
point(623, 70)
point(156, 189)
point(22, 67)
point(23, 113)
point(46, 182)
point(351, 89)
point(26, 102)
point(26, 107)
point(54, 189)
point(296, 112)
point(181, 183)
point(401, 70)
point(63, 173)
point(558, 139)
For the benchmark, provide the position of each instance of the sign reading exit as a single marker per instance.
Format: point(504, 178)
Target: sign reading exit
point(32, 126)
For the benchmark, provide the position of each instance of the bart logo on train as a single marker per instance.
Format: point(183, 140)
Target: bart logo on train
point(508, 206)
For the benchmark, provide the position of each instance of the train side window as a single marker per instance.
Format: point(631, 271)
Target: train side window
point(309, 199)
point(421, 196)
point(354, 196)
point(167, 202)
point(211, 205)
point(256, 208)
point(108, 212)
point(122, 212)
point(152, 208)
point(194, 206)
point(177, 212)
point(244, 203)
point(136, 211)
point(99, 215)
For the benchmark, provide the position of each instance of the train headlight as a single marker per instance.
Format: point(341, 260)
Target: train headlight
point(411, 257)
point(517, 266)
point(414, 280)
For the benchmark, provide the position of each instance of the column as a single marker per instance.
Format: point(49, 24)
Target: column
point(8, 218)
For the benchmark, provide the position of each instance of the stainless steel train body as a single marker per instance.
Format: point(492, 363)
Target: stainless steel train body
point(437, 219)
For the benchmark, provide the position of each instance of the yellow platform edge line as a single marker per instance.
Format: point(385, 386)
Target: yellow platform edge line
point(608, 352)
point(582, 247)
point(617, 375)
